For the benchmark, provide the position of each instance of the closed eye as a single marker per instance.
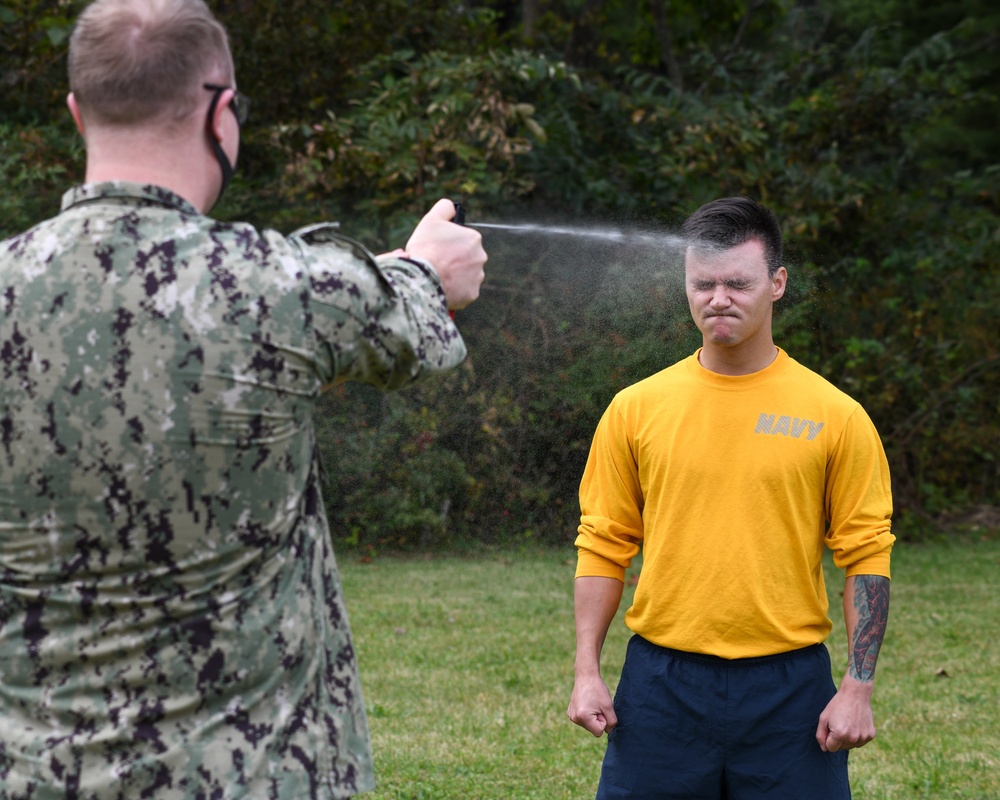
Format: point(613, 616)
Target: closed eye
point(735, 286)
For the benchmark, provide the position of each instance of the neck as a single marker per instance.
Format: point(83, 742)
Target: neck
point(147, 159)
point(743, 359)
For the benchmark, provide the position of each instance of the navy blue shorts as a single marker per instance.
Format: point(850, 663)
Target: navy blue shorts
point(704, 728)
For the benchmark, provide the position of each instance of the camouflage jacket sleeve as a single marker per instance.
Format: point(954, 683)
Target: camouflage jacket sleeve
point(381, 321)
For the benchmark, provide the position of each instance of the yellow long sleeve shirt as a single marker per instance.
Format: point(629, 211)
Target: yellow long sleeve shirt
point(731, 486)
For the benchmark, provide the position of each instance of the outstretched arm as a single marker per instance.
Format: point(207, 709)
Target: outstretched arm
point(595, 602)
point(847, 721)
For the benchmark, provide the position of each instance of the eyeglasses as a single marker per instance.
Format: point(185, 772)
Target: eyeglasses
point(240, 104)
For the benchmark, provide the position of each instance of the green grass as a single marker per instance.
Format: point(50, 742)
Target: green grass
point(467, 669)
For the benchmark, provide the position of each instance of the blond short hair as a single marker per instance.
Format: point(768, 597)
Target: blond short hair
point(135, 61)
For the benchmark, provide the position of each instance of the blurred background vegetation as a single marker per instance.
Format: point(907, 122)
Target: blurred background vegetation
point(870, 126)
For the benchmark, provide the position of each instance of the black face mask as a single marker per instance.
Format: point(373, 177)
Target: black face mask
point(239, 105)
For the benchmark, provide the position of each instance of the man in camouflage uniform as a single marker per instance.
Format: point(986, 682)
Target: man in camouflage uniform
point(171, 619)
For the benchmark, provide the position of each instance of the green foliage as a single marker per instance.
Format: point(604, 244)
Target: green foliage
point(300, 59)
point(430, 126)
point(33, 37)
point(37, 164)
point(388, 480)
point(869, 128)
point(607, 35)
point(905, 281)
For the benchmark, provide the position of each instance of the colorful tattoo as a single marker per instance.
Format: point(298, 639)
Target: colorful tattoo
point(871, 601)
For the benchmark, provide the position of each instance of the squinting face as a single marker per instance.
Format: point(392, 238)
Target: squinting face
point(730, 294)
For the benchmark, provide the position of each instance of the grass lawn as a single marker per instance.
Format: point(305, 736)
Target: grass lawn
point(467, 668)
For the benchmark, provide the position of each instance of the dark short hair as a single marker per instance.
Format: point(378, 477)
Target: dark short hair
point(729, 222)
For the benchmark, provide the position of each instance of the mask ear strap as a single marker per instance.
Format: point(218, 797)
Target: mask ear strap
point(220, 155)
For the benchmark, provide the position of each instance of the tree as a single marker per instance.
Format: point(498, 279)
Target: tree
point(868, 127)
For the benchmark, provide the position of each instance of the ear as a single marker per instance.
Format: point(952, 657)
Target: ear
point(778, 281)
point(218, 114)
point(74, 110)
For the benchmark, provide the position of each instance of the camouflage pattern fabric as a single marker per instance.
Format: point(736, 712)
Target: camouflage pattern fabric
point(171, 618)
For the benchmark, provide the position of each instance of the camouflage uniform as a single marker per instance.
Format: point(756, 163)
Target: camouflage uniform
point(171, 618)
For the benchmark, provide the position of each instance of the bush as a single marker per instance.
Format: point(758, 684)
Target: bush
point(37, 164)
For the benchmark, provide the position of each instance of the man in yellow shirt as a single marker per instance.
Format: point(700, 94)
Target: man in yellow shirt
point(731, 470)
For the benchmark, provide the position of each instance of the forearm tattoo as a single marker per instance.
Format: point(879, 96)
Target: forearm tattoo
point(871, 602)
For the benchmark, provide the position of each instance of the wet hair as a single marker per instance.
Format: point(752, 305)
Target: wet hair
point(135, 61)
point(731, 221)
